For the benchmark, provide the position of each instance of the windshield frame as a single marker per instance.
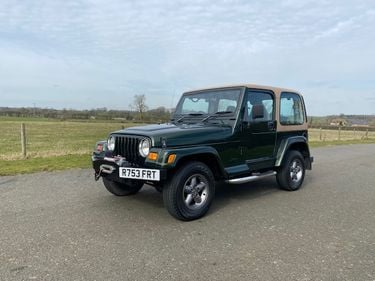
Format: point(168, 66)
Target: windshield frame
point(194, 116)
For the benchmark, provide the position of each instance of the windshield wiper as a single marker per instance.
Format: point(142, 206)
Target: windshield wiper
point(215, 115)
point(195, 114)
point(180, 119)
point(190, 114)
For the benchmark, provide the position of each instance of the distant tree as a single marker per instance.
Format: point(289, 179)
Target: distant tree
point(139, 105)
point(159, 114)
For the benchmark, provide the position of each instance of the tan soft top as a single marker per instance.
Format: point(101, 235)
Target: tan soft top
point(276, 90)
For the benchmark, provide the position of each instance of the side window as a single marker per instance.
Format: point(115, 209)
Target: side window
point(259, 106)
point(291, 109)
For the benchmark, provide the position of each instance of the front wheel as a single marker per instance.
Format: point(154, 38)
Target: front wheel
point(189, 194)
point(292, 173)
point(123, 189)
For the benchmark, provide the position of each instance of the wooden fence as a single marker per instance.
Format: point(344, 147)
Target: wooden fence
point(316, 134)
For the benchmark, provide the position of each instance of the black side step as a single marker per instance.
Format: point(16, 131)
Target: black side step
point(251, 178)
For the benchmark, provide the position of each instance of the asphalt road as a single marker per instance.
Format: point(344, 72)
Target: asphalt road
point(65, 226)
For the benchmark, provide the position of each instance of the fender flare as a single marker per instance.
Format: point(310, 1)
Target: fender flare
point(182, 153)
point(286, 144)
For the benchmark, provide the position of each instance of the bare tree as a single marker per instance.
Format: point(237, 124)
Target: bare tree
point(139, 104)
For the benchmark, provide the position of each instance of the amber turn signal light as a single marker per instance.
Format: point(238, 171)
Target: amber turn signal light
point(153, 156)
point(171, 158)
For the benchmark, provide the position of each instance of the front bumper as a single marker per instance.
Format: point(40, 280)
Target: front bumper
point(108, 167)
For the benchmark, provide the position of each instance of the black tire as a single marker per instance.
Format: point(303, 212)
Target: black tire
point(189, 193)
point(123, 189)
point(292, 173)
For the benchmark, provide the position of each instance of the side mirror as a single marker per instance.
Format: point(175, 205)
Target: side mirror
point(257, 111)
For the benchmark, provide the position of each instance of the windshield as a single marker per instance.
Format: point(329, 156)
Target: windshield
point(209, 102)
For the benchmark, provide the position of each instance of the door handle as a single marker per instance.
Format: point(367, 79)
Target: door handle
point(271, 125)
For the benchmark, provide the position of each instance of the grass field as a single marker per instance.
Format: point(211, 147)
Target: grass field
point(319, 137)
point(52, 138)
point(57, 145)
point(51, 145)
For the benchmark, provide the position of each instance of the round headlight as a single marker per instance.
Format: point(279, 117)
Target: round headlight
point(111, 143)
point(144, 147)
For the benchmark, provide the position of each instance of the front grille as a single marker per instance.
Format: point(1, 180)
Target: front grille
point(127, 146)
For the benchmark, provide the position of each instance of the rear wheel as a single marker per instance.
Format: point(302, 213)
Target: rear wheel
point(189, 194)
point(123, 189)
point(292, 173)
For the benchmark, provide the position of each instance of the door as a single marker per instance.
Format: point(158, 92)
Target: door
point(259, 129)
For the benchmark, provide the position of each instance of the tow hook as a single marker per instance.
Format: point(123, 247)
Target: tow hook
point(97, 175)
point(107, 169)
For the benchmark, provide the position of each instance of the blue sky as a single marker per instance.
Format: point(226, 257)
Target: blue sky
point(89, 53)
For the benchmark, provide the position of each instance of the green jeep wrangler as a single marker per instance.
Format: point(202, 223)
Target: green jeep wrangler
point(236, 134)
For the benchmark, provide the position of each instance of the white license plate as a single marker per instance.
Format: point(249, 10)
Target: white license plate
point(141, 174)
